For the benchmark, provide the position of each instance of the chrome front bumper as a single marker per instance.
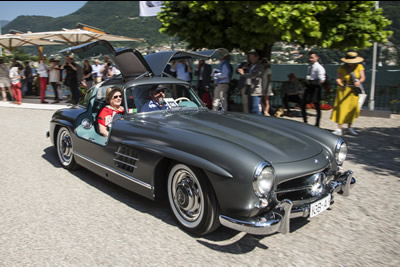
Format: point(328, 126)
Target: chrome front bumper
point(278, 220)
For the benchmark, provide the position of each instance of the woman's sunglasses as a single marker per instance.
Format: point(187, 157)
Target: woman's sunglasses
point(117, 96)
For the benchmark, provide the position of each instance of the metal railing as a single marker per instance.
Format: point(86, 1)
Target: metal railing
point(386, 97)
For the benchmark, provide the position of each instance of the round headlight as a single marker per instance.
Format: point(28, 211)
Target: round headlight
point(263, 179)
point(341, 152)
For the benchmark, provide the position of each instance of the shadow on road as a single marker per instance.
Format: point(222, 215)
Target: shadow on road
point(158, 209)
point(230, 241)
point(378, 149)
point(233, 243)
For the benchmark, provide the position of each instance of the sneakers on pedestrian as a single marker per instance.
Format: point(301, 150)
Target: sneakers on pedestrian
point(338, 132)
point(352, 132)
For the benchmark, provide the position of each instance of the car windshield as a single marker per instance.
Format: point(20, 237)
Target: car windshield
point(156, 97)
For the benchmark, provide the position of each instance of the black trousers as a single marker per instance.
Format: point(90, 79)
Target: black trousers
point(55, 87)
point(312, 95)
point(291, 98)
point(200, 88)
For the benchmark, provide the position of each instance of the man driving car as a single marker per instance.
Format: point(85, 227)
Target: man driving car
point(157, 102)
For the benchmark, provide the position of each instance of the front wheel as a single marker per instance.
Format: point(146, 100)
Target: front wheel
point(65, 150)
point(192, 200)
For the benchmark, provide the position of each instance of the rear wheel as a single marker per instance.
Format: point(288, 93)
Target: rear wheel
point(65, 150)
point(192, 200)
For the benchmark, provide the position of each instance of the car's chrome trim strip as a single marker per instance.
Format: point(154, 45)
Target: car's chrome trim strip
point(123, 162)
point(124, 155)
point(305, 187)
point(123, 175)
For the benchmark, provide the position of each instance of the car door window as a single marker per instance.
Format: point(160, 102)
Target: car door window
point(176, 96)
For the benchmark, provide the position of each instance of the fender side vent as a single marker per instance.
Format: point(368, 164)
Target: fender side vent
point(126, 158)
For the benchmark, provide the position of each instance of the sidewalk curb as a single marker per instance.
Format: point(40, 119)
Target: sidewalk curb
point(33, 106)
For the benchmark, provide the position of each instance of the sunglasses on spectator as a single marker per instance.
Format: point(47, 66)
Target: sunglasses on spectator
point(117, 96)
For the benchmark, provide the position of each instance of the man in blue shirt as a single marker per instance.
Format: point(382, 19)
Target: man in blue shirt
point(183, 70)
point(222, 80)
point(157, 100)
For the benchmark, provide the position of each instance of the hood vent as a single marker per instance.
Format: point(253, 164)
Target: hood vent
point(126, 158)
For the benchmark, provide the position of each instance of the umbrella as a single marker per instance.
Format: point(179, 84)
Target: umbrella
point(12, 41)
point(76, 36)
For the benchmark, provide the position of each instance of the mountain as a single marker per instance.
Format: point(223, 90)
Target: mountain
point(114, 17)
point(3, 23)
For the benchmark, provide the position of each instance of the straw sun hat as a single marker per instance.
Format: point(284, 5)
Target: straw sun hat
point(352, 57)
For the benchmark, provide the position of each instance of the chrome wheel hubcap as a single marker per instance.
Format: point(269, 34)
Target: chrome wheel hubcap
point(187, 195)
point(65, 147)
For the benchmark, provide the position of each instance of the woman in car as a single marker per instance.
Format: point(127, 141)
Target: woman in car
point(111, 111)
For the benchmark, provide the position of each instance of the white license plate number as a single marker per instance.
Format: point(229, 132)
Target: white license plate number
point(320, 206)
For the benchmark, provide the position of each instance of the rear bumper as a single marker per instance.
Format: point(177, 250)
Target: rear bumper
point(278, 220)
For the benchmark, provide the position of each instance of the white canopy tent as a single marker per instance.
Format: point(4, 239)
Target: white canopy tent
point(72, 37)
point(77, 36)
point(12, 41)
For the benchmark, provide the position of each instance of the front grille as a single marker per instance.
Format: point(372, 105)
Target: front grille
point(126, 158)
point(302, 188)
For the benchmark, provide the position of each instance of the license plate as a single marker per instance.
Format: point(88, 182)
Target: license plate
point(320, 206)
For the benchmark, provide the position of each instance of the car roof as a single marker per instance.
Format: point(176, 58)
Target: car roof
point(155, 80)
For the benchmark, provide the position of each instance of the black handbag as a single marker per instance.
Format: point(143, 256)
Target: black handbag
point(356, 90)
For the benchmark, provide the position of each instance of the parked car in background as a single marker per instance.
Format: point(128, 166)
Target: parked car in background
point(247, 172)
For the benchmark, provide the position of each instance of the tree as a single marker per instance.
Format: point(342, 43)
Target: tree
point(247, 25)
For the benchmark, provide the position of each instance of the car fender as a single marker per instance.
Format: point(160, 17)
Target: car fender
point(181, 156)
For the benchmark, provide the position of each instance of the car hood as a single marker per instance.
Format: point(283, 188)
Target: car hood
point(270, 139)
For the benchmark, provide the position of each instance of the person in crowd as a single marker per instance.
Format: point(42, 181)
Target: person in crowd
point(107, 71)
point(59, 87)
point(267, 87)
point(206, 98)
point(79, 72)
point(350, 76)
point(43, 72)
point(291, 92)
point(316, 76)
point(254, 78)
point(222, 77)
point(183, 70)
point(87, 74)
point(28, 80)
point(157, 95)
point(112, 111)
point(168, 70)
point(4, 79)
point(203, 73)
point(96, 71)
point(54, 79)
point(71, 78)
point(16, 75)
point(241, 85)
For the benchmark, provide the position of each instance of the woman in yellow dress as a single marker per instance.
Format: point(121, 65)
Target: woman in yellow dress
point(346, 108)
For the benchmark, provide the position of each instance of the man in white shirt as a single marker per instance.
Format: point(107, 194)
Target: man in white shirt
point(316, 76)
point(96, 71)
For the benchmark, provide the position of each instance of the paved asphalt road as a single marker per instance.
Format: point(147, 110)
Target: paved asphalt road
point(53, 217)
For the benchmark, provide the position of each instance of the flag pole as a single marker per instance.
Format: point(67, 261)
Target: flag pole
point(371, 104)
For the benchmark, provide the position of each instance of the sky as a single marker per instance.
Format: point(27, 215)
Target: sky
point(10, 10)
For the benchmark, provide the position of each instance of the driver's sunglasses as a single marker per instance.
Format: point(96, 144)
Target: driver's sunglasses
point(117, 96)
